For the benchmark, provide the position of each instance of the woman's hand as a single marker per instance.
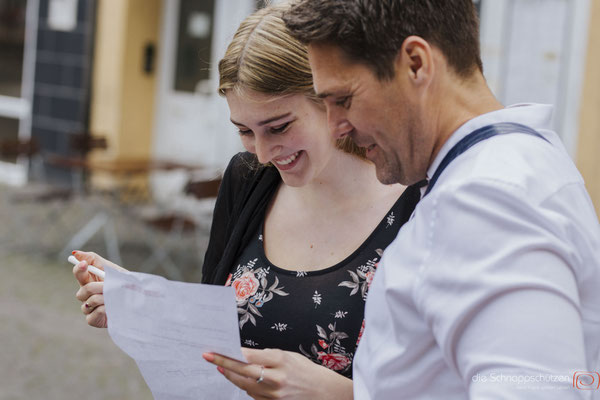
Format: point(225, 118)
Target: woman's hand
point(286, 375)
point(91, 291)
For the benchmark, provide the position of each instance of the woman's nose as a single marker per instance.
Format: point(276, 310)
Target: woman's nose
point(266, 148)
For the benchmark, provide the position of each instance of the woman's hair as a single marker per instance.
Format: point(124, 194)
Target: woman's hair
point(264, 57)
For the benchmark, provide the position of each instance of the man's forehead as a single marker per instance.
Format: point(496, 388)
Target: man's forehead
point(325, 56)
point(331, 72)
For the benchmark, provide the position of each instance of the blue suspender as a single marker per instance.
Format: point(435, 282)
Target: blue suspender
point(475, 137)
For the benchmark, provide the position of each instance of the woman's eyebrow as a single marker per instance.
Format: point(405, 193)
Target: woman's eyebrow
point(266, 121)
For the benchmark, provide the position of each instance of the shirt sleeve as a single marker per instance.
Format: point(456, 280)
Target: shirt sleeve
point(500, 295)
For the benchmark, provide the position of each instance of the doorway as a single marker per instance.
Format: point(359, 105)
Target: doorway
point(191, 119)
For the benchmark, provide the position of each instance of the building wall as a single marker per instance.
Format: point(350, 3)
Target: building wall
point(124, 96)
point(194, 127)
point(534, 51)
point(123, 93)
point(61, 84)
point(547, 51)
point(588, 149)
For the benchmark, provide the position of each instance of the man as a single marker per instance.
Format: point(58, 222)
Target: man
point(492, 289)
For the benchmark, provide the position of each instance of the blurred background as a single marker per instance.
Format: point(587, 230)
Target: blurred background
point(113, 140)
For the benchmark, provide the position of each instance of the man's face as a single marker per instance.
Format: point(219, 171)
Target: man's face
point(379, 115)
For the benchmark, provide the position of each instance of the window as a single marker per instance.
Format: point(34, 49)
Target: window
point(9, 131)
point(194, 43)
point(12, 40)
point(12, 45)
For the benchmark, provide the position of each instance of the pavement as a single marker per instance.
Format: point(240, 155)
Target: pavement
point(47, 351)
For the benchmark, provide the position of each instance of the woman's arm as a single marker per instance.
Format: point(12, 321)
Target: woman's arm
point(285, 375)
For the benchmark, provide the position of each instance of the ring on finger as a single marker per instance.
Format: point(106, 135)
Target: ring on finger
point(88, 307)
point(262, 375)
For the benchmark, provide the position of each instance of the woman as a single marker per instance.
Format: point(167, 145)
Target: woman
point(299, 225)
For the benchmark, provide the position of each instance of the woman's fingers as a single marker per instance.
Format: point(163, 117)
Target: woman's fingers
point(88, 290)
point(240, 368)
point(90, 258)
point(257, 391)
point(240, 381)
point(82, 275)
point(80, 272)
point(271, 358)
point(91, 303)
point(97, 318)
point(252, 378)
point(285, 375)
point(96, 260)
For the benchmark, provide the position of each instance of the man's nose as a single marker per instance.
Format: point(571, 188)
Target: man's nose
point(339, 126)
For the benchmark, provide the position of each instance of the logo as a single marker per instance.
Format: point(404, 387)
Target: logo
point(586, 380)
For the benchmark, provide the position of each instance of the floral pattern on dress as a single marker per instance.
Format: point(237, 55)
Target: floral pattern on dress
point(279, 326)
point(363, 277)
point(329, 351)
point(252, 290)
point(327, 300)
point(317, 299)
point(390, 219)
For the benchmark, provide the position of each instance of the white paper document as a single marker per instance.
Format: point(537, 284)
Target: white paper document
point(165, 326)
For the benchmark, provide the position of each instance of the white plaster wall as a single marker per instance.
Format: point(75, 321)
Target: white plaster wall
point(195, 127)
point(534, 51)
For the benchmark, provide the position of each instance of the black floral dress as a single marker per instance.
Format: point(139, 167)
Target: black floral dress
point(316, 313)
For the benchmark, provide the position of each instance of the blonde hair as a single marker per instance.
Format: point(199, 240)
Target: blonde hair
point(264, 57)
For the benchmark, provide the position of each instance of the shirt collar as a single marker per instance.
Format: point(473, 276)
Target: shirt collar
point(536, 116)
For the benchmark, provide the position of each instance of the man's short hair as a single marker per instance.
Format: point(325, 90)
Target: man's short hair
point(372, 31)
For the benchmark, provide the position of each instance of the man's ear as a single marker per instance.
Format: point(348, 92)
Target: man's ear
point(415, 58)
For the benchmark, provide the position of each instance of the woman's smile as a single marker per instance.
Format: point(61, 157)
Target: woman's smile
point(288, 162)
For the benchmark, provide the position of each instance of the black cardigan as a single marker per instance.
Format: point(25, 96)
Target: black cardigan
point(246, 191)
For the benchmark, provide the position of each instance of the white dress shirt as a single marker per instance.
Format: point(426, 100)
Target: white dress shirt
point(492, 289)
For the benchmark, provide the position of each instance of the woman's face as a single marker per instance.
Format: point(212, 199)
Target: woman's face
point(288, 131)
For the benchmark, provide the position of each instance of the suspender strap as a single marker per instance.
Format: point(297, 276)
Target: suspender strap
point(475, 137)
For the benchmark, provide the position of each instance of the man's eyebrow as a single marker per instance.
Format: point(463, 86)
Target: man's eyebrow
point(266, 121)
point(335, 93)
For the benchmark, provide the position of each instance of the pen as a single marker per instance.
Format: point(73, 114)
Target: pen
point(96, 271)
